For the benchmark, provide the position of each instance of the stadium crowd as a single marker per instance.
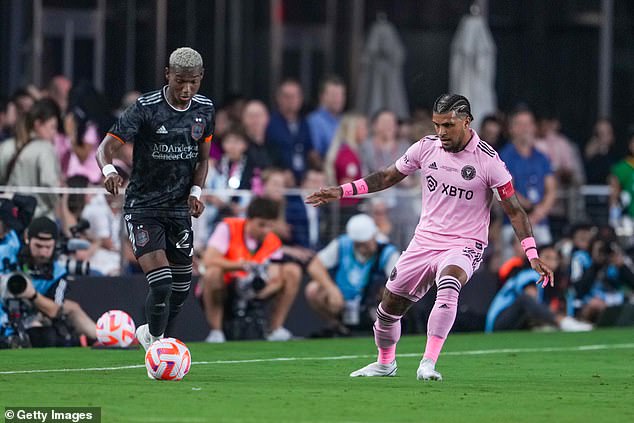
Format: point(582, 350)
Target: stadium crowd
point(49, 137)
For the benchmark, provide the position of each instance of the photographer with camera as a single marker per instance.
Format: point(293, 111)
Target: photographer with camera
point(346, 277)
point(598, 278)
point(236, 269)
point(33, 311)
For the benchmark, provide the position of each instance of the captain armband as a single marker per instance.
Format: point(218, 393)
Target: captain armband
point(505, 191)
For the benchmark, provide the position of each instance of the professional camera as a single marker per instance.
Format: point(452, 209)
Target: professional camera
point(11, 286)
point(248, 286)
point(67, 246)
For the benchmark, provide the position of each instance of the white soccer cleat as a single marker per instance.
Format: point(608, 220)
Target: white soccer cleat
point(216, 336)
point(570, 324)
point(376, 369)
point(144, 337)
point(280, 334)
point(426, 370)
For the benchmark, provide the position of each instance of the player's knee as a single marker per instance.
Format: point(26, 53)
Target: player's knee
point(160, 292)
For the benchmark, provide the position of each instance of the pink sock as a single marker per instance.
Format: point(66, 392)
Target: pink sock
point(442, 316)
point(387, 331)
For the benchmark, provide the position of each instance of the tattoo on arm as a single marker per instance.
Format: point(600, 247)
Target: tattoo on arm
point(518, 217)
point(383, 179)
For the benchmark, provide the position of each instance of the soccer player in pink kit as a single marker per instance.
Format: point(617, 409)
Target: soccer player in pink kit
point(460, 175)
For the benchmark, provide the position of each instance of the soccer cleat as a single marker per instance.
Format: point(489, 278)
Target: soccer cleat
point(376, 369)
point(144, 337)
point(215, 337)
point(279, 334)
point(426, 370)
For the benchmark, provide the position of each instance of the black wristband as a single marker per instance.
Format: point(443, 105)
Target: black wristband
point(34, 296)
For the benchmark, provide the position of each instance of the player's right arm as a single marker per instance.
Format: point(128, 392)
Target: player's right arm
point(107, 150)
point(374, 182)
point(124, 130)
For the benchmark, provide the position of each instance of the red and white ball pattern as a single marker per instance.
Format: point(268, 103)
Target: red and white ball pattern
point(115, 328)
point(168, 359)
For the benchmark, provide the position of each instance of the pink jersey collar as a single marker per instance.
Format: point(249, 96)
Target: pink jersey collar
point(471, 146)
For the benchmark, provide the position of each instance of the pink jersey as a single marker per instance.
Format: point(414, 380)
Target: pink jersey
point(457, 191)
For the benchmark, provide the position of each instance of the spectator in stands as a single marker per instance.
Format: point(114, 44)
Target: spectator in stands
point(492, 131)
point(622, 182)
point(598, 277)
point(325, 120)
point(535, 184)
point(599, 153)
point(343, 162)
point(520, 303)
point(381, 150)
point(234, 250)
point(85, 125)
point(28, 159)
point(234, 171)
point(567, 165)
point(255, 120)
point(358, 263)
point(103, 213)
point(289, 133)
point(58, 90)
point(292, 226)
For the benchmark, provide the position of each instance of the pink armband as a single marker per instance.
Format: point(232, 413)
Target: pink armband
point(347, 190)
point(530, 248)
point(361, 185)
point(351, 189)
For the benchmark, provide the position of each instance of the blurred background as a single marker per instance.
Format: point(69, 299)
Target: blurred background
point(315, 92)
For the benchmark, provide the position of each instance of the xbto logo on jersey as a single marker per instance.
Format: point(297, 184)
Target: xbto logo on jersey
point(453, 191)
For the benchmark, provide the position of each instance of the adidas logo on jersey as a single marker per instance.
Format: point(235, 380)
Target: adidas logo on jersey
point(161, 130)
point(433, 166)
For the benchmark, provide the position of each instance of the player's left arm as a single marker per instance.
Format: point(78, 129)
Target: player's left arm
point(196, 207)
point(522, 226)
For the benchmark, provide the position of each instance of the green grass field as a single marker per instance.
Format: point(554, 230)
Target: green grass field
point(512, 377)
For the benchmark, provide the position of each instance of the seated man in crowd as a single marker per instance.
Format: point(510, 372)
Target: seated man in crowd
point(599, 277)
point(46, 318)
point(356, 259)
point(235, 251)
point(520, 304)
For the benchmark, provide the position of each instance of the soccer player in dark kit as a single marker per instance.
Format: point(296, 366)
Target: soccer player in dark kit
point(171, 129)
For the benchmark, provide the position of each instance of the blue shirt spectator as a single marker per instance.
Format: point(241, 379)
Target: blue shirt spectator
point(323, 126)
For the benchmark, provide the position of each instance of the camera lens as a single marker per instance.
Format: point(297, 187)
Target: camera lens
point(16, 284)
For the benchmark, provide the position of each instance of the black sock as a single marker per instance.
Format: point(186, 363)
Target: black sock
point(157, 302)
point(182, 279)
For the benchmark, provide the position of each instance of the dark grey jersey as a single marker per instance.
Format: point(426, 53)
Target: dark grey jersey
point(165, 151)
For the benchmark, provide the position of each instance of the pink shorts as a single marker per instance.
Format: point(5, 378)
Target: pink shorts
point(416, 269)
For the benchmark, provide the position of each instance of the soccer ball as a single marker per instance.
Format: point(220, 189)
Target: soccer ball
point(168, 359)
point(115, 328)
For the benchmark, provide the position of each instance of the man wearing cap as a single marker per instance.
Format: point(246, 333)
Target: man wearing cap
point(354, 259)
point(45, 288)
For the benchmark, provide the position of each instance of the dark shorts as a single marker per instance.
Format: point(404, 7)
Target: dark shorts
point(173, 235)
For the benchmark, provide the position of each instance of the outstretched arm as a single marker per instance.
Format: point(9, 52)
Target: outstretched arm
point(374, 182)
point(521, 225)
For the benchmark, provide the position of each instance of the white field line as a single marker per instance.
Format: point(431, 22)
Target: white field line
point(342, 357)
